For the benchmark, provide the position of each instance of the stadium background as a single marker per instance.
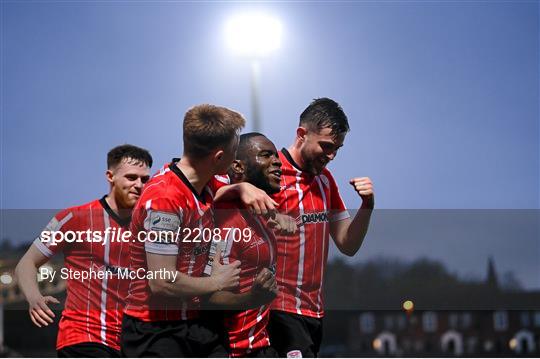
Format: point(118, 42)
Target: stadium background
point(442, 98)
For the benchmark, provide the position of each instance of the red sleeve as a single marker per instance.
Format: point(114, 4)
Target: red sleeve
point(338, 211)
point(51, 240)
point(230, 221)
point(218, 181)
point(162, 219)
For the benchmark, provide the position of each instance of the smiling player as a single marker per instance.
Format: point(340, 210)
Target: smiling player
point(310, 194)
point(257, 162)
point(90, 323)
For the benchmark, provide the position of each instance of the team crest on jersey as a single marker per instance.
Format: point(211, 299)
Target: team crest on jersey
point(317, 217)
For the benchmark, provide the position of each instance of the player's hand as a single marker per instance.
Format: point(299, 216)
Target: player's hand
point(40, 313)
point(226, 276)
point(364, 187)
point(264, 287)
point(255, 199)
point(282, 224)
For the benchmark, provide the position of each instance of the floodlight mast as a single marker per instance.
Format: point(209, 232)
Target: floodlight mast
point(255, 91)
point(254, 36)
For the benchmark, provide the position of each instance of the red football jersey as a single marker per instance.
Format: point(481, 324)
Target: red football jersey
point(170, 203)
point(315, 202)
point(255, 246)
point(93, 307)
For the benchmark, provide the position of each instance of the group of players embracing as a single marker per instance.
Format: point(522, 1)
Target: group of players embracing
point(231, 296)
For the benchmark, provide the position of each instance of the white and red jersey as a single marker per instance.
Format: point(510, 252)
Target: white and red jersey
point(313, 200)
point(257, 250)
point(93, 307)
point(169, 203)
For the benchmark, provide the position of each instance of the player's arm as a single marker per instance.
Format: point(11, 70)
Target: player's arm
point(252, 197)
point(349, 234)
point(263, 291)
point(26, 272)
point(183, 286)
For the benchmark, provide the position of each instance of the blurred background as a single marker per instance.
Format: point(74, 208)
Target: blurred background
point(442, 99)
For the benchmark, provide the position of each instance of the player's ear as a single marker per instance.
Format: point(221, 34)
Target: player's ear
point(218, 155)
point(301, 133)
point(238, 168)
point(109, 175)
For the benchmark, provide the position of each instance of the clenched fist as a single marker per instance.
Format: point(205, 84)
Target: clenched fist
point(364, 187)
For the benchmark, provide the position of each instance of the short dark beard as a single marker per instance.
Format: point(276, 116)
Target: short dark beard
point(259, 180)
point(308, 165)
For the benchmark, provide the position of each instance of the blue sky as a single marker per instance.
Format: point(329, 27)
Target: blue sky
point(442, 97)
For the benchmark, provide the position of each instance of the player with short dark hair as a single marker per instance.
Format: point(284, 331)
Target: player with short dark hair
point(90, 322)
point(257, 162)
point(128, 152)
point(310, 194)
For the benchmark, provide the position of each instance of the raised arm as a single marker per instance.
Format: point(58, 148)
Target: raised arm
point(349, 234)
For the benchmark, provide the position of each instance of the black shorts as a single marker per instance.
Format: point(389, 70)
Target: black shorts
point(293, 334)
point(181, 338)
point(87, 350)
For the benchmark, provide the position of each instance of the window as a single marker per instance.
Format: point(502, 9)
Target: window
point(453, 320)
point(466, 320)
point(500, 321)
point(367, 322)
point(388, 322)
point(525, 319)
point(537, 319)
point(429, 321)
point(401, 321)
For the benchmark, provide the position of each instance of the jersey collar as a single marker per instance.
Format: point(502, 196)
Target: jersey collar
point(294, 164)
point(123, 222)
point(178, 172)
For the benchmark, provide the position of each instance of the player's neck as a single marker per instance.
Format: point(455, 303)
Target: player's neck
point(296, 156)
point(114, 204)
point(198, 173)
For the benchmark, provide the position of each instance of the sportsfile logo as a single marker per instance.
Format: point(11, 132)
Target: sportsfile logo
point(316, 217)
